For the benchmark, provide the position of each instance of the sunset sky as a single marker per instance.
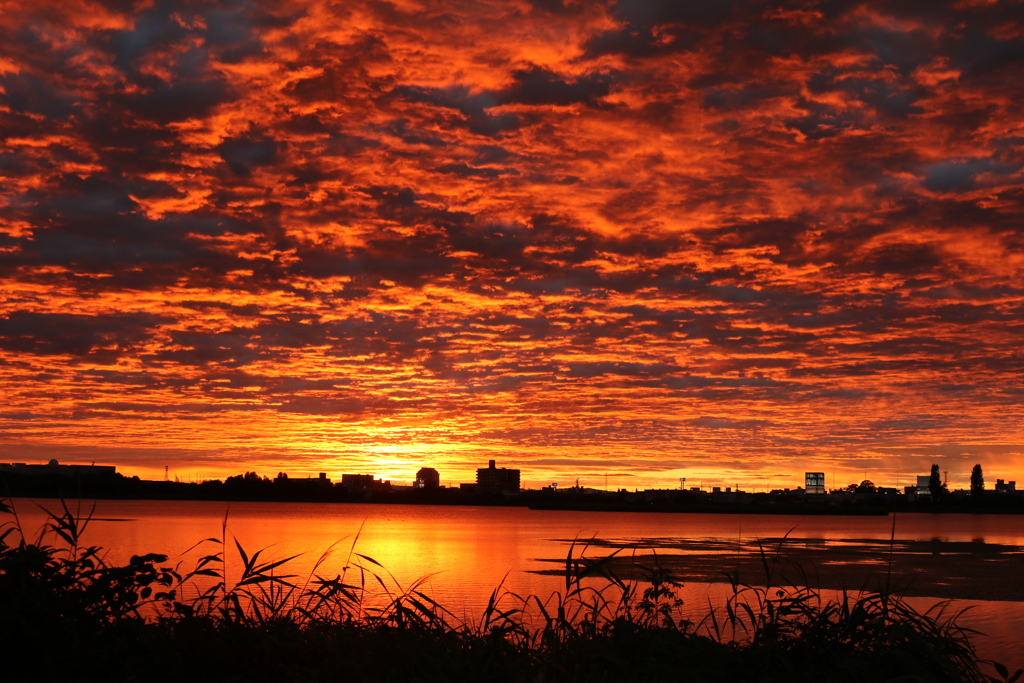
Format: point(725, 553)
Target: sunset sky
point(723, 240)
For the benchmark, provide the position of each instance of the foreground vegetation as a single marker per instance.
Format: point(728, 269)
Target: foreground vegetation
point(67, 615)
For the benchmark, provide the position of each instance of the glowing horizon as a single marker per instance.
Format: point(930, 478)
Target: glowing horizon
point(727, 241)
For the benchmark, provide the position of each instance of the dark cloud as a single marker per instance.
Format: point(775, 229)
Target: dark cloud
point(323, 406)
point(902, 258)
point(467, 171)
point(153, 28)
point(557, 6)
point(243, 155)
point(749, 95)
point(538, 86)
point(27, 93)
point(102, 338)
point(472, 106)
point(710, 422)
point(886, 97)
point(639, 42)
point(982, 54)
point(620, 368)
point(169, 102)
point(952, 176)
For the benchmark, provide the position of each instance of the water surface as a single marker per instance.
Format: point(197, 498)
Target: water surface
point(466, 551)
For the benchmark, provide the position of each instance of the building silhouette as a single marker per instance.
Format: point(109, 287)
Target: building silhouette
point(363, 483)
point(493, 481)
point(283, 481)
point(54, 467)
point(924, 485)
point(427, 478)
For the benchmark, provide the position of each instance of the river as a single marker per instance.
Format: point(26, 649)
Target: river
point(466, 551)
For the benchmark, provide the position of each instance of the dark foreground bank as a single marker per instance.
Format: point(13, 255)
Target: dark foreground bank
point(66, 615)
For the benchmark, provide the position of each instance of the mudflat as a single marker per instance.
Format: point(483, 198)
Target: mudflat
point(932, 568)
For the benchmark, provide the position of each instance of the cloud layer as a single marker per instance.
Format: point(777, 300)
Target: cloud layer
point(721, 240)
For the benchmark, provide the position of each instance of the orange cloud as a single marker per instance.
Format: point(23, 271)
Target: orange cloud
point(707, 239)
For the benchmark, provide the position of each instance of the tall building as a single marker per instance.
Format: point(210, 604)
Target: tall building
point(357, 482)
point(427, 478)
point(492, 480)
point(814, 482)
point(924, 485)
